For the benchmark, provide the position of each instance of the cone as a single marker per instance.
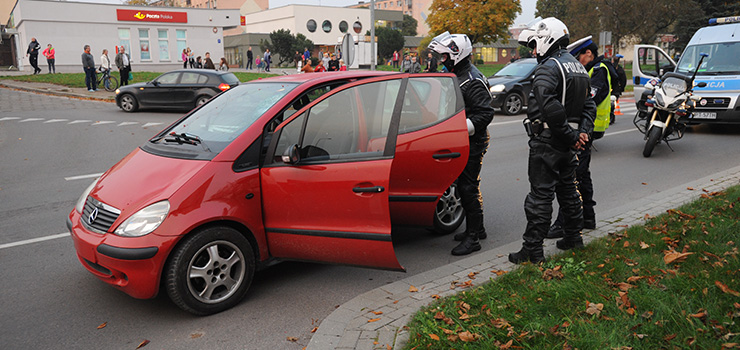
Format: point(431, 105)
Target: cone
point(616, 109)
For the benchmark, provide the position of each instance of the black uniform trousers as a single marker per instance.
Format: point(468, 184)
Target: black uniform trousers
point(469, 186)
point(551, 172)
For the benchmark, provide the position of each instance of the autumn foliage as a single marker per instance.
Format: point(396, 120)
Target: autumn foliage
point(483, 21)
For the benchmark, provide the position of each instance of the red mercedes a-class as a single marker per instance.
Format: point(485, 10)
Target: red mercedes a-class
point(310, 167)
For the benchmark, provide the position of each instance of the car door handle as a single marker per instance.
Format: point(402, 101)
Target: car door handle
point(446, 155)
point(374, 189)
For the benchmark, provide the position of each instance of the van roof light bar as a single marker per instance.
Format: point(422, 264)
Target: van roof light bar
point(724, 20)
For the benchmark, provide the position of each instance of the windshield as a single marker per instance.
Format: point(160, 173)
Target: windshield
point(518, 69)
point(225, 117)
point(722, 60)
point(673, 86)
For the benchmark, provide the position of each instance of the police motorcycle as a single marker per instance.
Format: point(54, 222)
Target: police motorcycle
point(665, 106)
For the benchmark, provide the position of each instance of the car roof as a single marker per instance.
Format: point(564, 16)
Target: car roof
point(722, 33)
point(200, 70)
point(302, 78)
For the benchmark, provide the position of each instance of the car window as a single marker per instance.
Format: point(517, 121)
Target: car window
point(349, 125)
point(427, 101)
point(168, 78)
point(190, 78)
point(230, 79)
point(722, 59)
point(300, 102)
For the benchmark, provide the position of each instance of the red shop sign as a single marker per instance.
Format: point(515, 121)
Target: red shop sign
point(151, 16)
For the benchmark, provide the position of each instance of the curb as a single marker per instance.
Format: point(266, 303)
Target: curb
point(10, 84)
point(377, 318)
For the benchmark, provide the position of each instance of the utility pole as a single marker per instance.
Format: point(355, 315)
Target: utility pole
point(372, 35)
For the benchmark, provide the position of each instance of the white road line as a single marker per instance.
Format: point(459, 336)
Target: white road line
point(79, 121)
point(151, 124)
point(102, 122)
point(618, 132)
point(56, 120)
point(33, 240)
point(80, 177)
point(30, 120)
point(9, 118)
point(128, 123)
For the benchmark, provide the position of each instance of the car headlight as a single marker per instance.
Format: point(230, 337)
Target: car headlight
point(83, 198)
point(498, 88)
point(144, 221)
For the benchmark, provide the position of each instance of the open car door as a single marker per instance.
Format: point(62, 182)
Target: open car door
point(326, 177)
point(650, 62)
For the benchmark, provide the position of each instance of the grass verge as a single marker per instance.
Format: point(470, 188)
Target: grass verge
point(671, 283)
point(78, 79)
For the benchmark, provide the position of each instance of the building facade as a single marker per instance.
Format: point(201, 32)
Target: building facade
point(419, 9)
point(153, 36)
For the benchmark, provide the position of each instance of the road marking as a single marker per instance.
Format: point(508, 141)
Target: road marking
point(128, 123)
point(80, 177)
point(33, 240)
point(151, 124)
point(9, 118)
point(618, 132)
point(79, 121)
point(102, 122)
point(30, 120)
point(56, 120)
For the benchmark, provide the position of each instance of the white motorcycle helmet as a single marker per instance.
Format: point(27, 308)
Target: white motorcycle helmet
point(545, 36)
point(457, 46)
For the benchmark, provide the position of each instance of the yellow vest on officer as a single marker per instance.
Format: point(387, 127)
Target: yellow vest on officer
point(604, 109)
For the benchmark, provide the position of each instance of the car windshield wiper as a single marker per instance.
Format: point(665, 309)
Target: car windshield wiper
point(183, 138)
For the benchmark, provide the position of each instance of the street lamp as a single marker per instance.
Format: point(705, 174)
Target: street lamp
point(372, 34)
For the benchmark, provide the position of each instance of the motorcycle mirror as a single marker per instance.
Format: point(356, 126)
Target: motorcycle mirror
point(702, 84)
point(704, 54)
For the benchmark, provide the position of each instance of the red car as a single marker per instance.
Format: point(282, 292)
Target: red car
point(310, 167)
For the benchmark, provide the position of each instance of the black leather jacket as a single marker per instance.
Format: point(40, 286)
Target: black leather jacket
point(477, 97)
point(545, 98)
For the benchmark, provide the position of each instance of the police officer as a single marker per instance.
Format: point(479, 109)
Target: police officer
point(586, 52)
point(455, 51)
point(559, 123)
point(622, 84)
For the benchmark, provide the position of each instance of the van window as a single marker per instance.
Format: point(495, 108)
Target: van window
point(722, 60)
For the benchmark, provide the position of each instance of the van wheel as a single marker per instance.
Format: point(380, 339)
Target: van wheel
point(449, 214)
point(210, 271)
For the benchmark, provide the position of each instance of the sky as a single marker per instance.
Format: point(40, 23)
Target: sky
point(528, 6)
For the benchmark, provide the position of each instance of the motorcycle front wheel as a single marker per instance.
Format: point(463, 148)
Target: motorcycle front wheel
point(653, 137)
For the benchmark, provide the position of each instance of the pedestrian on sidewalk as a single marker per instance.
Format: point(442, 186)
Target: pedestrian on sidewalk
point(49, 53)
point(250, 57)
point(123, 62)
point(88, 64)
point(191, 58)
point(559, 122)
point(395, 59)
point(267, 59)
point(33, 55)
point(208, 62)
point(105, 61)
point(223, 65)
point(455, 51)
point(184, 58)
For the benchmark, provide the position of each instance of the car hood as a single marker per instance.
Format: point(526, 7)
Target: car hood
point(133, 86)
point(142, 178)
point(503, 79)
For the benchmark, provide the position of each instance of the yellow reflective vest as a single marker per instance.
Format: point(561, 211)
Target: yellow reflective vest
point(604, 109)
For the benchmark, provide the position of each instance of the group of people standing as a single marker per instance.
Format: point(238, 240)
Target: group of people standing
point(411, 65)
point(122, 61)
point(33, 56)
point(569, 107)
point(329, 62)
point(189, 59)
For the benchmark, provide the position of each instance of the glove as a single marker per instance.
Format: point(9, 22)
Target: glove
point(471, 127)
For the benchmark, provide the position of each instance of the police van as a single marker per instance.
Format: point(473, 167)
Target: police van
point(720, 101)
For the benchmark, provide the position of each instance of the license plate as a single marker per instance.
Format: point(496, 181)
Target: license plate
point(705, 115)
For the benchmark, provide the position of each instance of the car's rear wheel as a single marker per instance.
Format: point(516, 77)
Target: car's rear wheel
point(513, 104)
point(210, 271)
point(449, 214)
point(128, 103)
point(201, 100)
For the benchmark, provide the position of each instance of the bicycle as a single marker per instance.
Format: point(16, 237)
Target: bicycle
point(109, 82)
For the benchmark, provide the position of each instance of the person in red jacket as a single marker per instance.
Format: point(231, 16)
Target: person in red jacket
point(49, 54)
point(320, 67)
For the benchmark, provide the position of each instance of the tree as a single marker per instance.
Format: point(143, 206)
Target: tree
point(301, 43)
point(280, 44)
point(484, 21)
point(137, 2)
point(409, 25)
point(389, 40)
point(696, 14)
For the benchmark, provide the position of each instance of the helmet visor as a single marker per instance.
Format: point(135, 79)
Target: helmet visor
point(442, 37)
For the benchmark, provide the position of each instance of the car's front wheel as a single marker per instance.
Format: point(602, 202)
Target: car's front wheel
point(513, 104)
point(128, 103)
point(449, 214)
point(210, 271)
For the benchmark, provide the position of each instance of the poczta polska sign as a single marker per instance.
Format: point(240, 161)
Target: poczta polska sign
point(152, 16)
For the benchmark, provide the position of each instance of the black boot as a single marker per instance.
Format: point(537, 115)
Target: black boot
point(556, 231)
point(588, 223)
point(467, 246)
point(569, 243)
point(460, 236)
point(524, 255)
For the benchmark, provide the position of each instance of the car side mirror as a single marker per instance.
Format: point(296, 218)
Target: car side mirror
point(702, 84)
point(155, 83)
point(291, 155)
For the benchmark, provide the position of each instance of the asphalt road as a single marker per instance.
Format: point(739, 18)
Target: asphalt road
point(50, 301)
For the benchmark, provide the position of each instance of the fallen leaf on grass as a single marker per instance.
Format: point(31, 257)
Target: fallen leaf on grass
point(453, 337)
point(498, 272)
point(552, 274)
point(700, 314)
point(726, 289)
point(594, 309)
point(624, 286)
point(674, 256)
point(413, 289)
point(142, 344)
point(644, 245)
point(647, 216)
point(439, 316)
point(506, 345)
point(670, 337)
point(103, 325)
point(730, 345)
point(436, 296)
point(434, 336)
point(468, 337)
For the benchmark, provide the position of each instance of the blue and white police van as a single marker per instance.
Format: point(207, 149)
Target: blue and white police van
point(720, 101)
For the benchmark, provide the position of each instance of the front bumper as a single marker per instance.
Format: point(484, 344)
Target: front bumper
point(497, 99)
point(131, 264)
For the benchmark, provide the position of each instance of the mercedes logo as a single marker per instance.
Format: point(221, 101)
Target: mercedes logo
point(93, 216)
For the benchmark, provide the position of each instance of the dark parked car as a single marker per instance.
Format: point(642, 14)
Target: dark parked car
point(179, 89)
point(511, 85)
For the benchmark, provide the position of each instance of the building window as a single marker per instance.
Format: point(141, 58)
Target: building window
point(144, 45)
point(124, 39)
point(182, 39)
point(326, 26)
point(164, 45)
point(311, 25)
point(357, 27)
point(489, 54)
point(343, 26)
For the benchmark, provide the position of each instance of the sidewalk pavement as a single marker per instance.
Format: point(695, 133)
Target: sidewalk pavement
point(355, 324)
point(59, 90)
